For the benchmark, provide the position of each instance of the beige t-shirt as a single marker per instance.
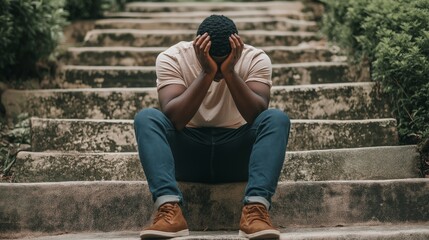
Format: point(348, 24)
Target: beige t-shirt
point(179, 65)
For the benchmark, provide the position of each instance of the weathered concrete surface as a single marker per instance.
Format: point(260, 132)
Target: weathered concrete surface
point(349, 202)
point(325, 101)
point(302, 53)
point(391, 162)
point(116, 206)
point(234, 15)
point(63, 166)
point(337, 164)
point(133, 56)
point(80, 103)
point(331, 101)
point(380, 232)
point(82, 135)
point(212, 6)
point(266, 23)
point(118, 135)
point(166, 38)
point(112, 56)
point(132, 235)
point(108, 76)
point(74, 206)
point(142, 76)
point(328, 134)
point(314, 8)
point(312, 73)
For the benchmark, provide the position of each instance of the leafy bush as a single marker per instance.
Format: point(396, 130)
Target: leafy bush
point(12, 141)
point(394, 37)
point(6, 37)
point(89, 9)
point(29, 32)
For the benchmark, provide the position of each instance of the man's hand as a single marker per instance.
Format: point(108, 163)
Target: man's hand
point(202, 47)
point(237, 45)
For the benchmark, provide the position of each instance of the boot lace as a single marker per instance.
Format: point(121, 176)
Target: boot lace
point(258, 213)
point(165, 212)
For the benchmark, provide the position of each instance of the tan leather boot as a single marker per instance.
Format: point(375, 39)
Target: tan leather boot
point(168, 223)
point(255, 223)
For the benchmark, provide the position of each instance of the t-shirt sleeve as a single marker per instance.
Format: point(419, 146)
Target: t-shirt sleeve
point(168, 71)
point(260, 69)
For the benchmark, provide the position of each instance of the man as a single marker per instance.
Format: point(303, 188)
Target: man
point(214, 127)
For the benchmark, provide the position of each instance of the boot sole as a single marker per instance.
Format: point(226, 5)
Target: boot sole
point(160, 234)
point(265, 234)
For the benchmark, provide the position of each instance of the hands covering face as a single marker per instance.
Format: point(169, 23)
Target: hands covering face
point(237, 46)
point(202, 46)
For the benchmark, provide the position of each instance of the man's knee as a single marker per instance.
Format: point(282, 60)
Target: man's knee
point(277, 117)
point(147, 116)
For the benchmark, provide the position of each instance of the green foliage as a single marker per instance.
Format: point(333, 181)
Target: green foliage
point(341, 24)
point(89, 9)
point(29, 32)
point(394, 37)
point(424, 156)
point(21, 130)
point(12, 141)
point(6, 36)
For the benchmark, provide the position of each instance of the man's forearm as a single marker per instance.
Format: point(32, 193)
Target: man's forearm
point(248, 103)
point(181, 109)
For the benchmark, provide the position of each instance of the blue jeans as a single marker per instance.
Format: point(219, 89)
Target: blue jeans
point(253, 153)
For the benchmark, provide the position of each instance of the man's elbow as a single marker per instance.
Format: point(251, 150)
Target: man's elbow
point(179, 126)
point(251, 117)
point(177, 123)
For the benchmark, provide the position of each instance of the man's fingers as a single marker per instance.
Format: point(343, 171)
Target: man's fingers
point(232, 43)
point(237, 46)
point(204, 44)
point(196, 41)
point(237, 41)
point(207, 48)
point(201, 39)
point(241, 43)
point(238, 38)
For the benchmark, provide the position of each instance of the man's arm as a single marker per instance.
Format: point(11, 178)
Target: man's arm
point(179, 103)
point(250, 98)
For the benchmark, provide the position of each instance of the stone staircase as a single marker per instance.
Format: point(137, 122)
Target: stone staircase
point(344, 176)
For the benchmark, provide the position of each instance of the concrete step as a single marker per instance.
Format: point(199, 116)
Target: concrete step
point(380, 232)
point(148, 7)
point(112, 56)
point(166, 38)
point(234, 15)
point(266, 23)
point(134, 56)
point(340, 101)
point(376, 163)
point(118, 135)
point(313, 8)
point(145, 76)
point(117, 206)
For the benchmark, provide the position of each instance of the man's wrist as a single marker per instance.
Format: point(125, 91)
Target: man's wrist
point(208, 74)
point(229, 74)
